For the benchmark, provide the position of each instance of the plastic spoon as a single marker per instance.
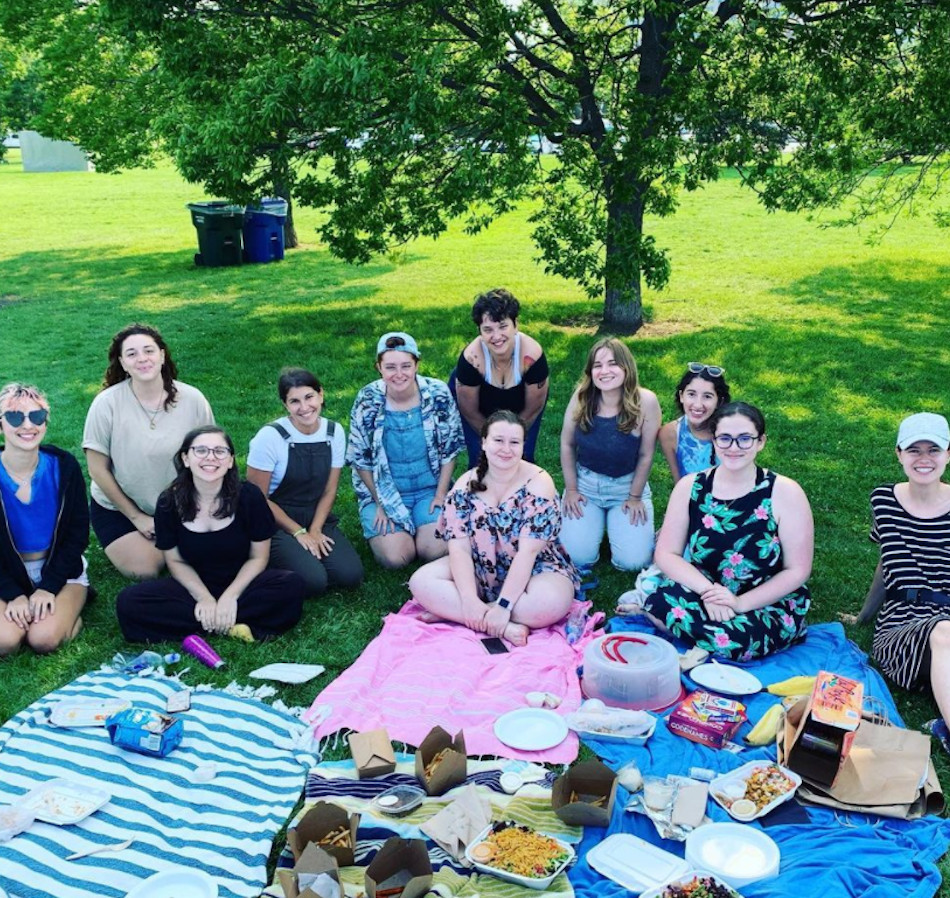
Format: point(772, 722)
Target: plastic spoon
point(117, 847)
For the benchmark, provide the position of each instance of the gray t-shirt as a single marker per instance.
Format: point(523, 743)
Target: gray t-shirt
point(142, 459)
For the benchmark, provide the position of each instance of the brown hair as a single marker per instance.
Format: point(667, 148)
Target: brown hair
point(115, 373)
point(477, 483)
point(588, 396)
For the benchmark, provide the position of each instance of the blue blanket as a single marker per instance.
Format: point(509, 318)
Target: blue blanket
point(830, 855)
point(224, 827)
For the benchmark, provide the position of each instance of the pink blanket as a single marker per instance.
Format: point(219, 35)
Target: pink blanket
point(415, 675)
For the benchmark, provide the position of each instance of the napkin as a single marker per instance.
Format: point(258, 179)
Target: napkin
point(457, 824)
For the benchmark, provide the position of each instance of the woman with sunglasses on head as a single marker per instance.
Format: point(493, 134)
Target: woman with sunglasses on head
point(215, 533)
point(910, 521)
point(44, 531)
point(405, 434)
point(607, 442)
point(296, 462)
point(502, 368)
point(132, 430)
point(686, 443)
point(736, 547)
point(506, 572)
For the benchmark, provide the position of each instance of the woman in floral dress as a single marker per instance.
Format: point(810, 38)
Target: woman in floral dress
point(736, 547)
point(506, 572)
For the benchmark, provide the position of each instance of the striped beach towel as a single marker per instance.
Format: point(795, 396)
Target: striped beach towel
point(224, 827)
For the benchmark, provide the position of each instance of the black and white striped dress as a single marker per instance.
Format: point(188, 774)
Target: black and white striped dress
point(915, 553)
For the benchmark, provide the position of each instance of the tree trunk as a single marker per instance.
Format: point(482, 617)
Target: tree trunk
point(282, 189)
point(623, 308)
point(623, 297)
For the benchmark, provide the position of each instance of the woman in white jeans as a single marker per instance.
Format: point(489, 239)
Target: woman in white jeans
point(607, 442)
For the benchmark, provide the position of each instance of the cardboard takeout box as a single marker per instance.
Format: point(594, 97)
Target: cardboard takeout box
point(452, 767)
point(372, 753)
point(400, 864)
point(324, 818)
point(584, 796)
point(314, 860)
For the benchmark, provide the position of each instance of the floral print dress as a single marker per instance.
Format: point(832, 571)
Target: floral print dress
point(494, 534)
point(734, 543)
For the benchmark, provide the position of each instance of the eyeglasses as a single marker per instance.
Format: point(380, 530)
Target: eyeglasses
point(700, 368)
point(743, 441)
point(38, 417)
point(219, 452)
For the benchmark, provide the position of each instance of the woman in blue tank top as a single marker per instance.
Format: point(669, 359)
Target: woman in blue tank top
point(44, 529)
point(686, 442)
point(607, 442)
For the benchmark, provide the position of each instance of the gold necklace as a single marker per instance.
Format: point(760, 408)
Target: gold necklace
point(151, 415)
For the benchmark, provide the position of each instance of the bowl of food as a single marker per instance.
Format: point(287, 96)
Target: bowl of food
point(693, 884)
point(519, 854)
point(754, 789)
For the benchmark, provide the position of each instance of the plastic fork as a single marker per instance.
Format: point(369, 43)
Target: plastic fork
point(119, 846)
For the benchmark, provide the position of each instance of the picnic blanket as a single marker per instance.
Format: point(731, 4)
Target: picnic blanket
point(415, 675)
point(224, 827)
point(824, 853)
point(336, 781)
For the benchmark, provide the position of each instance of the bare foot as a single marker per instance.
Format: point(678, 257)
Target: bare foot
point(427, 617)
point(846, 618)
point(517, 634)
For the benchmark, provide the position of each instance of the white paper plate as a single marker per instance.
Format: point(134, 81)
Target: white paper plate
point(733, 852)
point(634, 862)
point(285, 672)
point(531, 729)
point(180, 883)
point(725, 679)
point(63, 802)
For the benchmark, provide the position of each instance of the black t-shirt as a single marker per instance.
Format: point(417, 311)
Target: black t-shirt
point(219, 555)
point(492, 398)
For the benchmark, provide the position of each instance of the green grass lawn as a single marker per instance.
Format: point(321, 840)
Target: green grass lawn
point(834, 339)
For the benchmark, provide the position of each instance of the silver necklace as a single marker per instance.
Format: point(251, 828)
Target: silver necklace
point(151, 415)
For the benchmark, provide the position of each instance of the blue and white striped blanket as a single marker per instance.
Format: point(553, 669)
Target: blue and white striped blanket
point(224, 827)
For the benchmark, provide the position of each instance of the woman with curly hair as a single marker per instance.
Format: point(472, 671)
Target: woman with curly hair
point(607, 443)
point(132, 430)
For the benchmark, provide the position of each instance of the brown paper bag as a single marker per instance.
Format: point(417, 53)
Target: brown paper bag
point(881, 774)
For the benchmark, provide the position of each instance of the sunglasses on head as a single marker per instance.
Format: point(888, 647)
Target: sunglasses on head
point(38, 417)
point(700, 368)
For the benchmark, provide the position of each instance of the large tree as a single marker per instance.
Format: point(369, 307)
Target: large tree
point(400, 115)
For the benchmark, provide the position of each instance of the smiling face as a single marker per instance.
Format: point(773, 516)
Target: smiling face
point(398, 370)
point(209, 469)
point(304, 405)
point(734, 457)
point(141, 358)
point(498, 336)
point(699, 400)
point(27, 435)
point(503, 445)
point(606, 372)
point(923, 462)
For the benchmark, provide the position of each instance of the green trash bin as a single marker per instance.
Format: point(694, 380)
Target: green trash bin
point(219, 226)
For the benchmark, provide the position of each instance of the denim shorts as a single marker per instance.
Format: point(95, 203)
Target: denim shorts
point(417, 501)
point(35, 570)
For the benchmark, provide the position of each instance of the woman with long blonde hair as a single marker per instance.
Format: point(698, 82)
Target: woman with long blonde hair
point(607, 443)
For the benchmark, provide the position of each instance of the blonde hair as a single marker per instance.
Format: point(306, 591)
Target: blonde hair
point(588, 396)
point(14, 391)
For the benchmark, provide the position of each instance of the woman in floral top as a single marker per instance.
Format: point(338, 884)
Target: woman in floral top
point(506, 572)
point(736, 547)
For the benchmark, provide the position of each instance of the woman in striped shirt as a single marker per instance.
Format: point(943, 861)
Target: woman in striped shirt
point(911, 523)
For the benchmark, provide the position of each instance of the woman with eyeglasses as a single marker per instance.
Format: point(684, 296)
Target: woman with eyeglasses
point(910, 521)
point(736, 547)
point(133, 428)
point(296, 461)
point(405, 434)
point(215, 533)
point(43, 532)
point(607, 442)
point(502, 368)
point(686, 443)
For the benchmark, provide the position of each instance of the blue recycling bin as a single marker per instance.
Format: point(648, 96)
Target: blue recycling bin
point(264, 230)
point(219, 225)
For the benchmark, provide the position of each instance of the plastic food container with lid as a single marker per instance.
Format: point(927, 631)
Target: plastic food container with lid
point(733, 852)
point(632, 670)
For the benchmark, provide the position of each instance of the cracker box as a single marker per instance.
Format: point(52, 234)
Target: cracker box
point(707, 718)
point(145, 731)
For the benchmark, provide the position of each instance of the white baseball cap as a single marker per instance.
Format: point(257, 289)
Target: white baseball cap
point(924, 426)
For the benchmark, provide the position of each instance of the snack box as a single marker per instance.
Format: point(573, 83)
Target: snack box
point(145, 731)
point(324, 820)
point(531, 882)
point(452, 765)
point(86, 712)
point(687, 881)
point(707, 719)
point(63, 802)
point(584, 796)
point(723, 787)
